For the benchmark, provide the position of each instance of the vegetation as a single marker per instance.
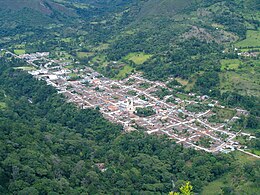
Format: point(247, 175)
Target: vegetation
point(137, 58)
point(230, 64)
point(196, 108)
point(47, 142)
point(252, 40)
point(51, 147)
point(235, 182)
point(19, 51)
point(144, 112)
point(124, 72)
point(221, 114)
point(184, 190)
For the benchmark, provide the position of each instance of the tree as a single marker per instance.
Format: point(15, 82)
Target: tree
point(184, 190)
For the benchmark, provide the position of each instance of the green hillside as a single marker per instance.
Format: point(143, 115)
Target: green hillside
point(47, 7)
point(49, 146)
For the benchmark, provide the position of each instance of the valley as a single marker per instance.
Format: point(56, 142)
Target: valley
point(121, 101)
point(129, 97)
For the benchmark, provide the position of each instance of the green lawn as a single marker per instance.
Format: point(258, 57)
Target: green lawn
point(254, 151)
point(25, 68)
point(99, 59)
point(137, 58)
point(19, 51)
point(252, 39)
point(84, 54)
point(124, 72)
point(244, 81)
point(230, 64)
point(243, 158)
point(72, 75)
point(183, 96)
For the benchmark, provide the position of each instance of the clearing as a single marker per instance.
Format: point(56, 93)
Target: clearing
point(244, 82)
point(84, 54)
point(137, 58)
point(230, 64)
point(252, 40)
point(25, 68)
point(124, 72)
point(221, 115)
point(19, 51)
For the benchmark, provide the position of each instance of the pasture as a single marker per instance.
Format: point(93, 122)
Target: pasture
point(137, 58)
point(124, 72)
point(252, 40)
point(19, 51)
point(230, 64)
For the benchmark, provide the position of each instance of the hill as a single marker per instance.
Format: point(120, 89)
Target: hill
point(46, 7)
point(36, 13)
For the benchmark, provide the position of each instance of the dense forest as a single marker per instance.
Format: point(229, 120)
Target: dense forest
point(51, 147)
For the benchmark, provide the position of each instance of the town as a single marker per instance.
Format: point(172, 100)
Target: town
point(134, 103)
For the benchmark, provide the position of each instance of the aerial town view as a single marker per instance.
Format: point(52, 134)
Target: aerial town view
point(134, 103)
point(150, 97)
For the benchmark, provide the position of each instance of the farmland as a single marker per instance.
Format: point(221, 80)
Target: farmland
point(230, 64)
point(241, 83)
point(252, 40)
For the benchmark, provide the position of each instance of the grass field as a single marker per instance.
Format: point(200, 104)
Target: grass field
point(137, 58)
point(230, 64)
point(124, 72)
point(84, 54)
point(183, 96)
point(244, 82)
point(257, 152)
point(25, 68)
point(99, 59)
point(221, 114)
point(72, 75)
point(252, 39)
point(19, 51)
point(182, 81)
point(243, 158)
